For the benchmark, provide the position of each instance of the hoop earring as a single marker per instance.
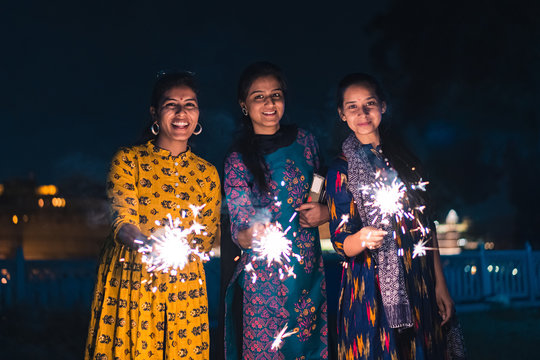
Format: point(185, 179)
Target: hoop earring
point(198, 131)
point(244, 111)
point(155, 128)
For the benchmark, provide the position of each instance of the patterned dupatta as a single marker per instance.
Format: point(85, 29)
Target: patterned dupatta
point(391, 274)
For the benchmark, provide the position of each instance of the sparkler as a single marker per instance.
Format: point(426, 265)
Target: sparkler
point(278, 340)
point(387, 200)
point(273, 245)
point(170, 248)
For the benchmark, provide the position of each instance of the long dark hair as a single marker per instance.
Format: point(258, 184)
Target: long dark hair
point(406, 164)
point(164, 83)
point(246, 143)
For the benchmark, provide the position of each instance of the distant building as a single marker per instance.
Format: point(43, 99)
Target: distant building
point(450, 234)
point(48, 225)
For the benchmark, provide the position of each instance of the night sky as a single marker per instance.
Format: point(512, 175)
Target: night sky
point(463, 87)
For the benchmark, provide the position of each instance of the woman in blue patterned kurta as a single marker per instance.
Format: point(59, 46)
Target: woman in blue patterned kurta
point(273, 189)
point(370, 324)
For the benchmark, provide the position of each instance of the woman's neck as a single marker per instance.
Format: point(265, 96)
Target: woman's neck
point(266, 131)
point(175, 147)
point(374, 139)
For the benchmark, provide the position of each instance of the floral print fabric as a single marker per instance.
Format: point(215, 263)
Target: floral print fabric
point(141, 315)
point(269, 302)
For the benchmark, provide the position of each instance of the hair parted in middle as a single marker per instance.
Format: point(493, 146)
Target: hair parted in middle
point(407, 165)
point(245, 144)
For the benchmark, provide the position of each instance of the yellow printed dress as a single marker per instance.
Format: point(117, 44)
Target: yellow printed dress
point(136, 314)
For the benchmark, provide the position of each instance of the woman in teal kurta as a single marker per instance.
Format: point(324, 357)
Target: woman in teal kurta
point(275, 300)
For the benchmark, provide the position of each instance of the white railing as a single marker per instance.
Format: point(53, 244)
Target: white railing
point(472, 277)
point(499, 275)
point(49, 284)
point(65, 284)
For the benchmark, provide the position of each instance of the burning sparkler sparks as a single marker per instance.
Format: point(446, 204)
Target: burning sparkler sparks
point(420, 185)
point(273, 245)
point(387, 200)
point(344, 220)
point(420, 248)
point(278, 340)
point(170, 248)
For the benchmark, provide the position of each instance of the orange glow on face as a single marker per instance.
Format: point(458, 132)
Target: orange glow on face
point(40, 203)
point(15, 219)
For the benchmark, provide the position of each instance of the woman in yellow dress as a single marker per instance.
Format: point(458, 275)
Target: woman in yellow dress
point(156, 315)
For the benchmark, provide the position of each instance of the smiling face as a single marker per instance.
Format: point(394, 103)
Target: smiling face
point(362, 111)
point(265, 105)
point(177, 115)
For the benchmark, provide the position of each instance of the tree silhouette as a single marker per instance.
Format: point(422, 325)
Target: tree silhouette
point(465, 83)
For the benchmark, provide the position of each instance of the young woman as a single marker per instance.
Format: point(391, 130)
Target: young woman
point(156, 315)
point(267, 180)
point(393, 301)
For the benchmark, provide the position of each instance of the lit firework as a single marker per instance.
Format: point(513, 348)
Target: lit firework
point(278, 340)
point(170, 248)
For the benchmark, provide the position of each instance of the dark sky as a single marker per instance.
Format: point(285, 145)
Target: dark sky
point(80, 77)
point(462, 83)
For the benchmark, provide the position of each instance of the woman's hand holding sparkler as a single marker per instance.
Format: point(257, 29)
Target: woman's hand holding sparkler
point(245, 237)
point(131, 236)
point(312, 214)
point(367, 238)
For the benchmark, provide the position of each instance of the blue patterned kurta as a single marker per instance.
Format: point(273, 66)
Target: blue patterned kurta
point(271, 303)
point(363, 330)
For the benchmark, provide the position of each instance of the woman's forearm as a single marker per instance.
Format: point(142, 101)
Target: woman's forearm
point(439, 274)
point(352, 247)
point(127, 235)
